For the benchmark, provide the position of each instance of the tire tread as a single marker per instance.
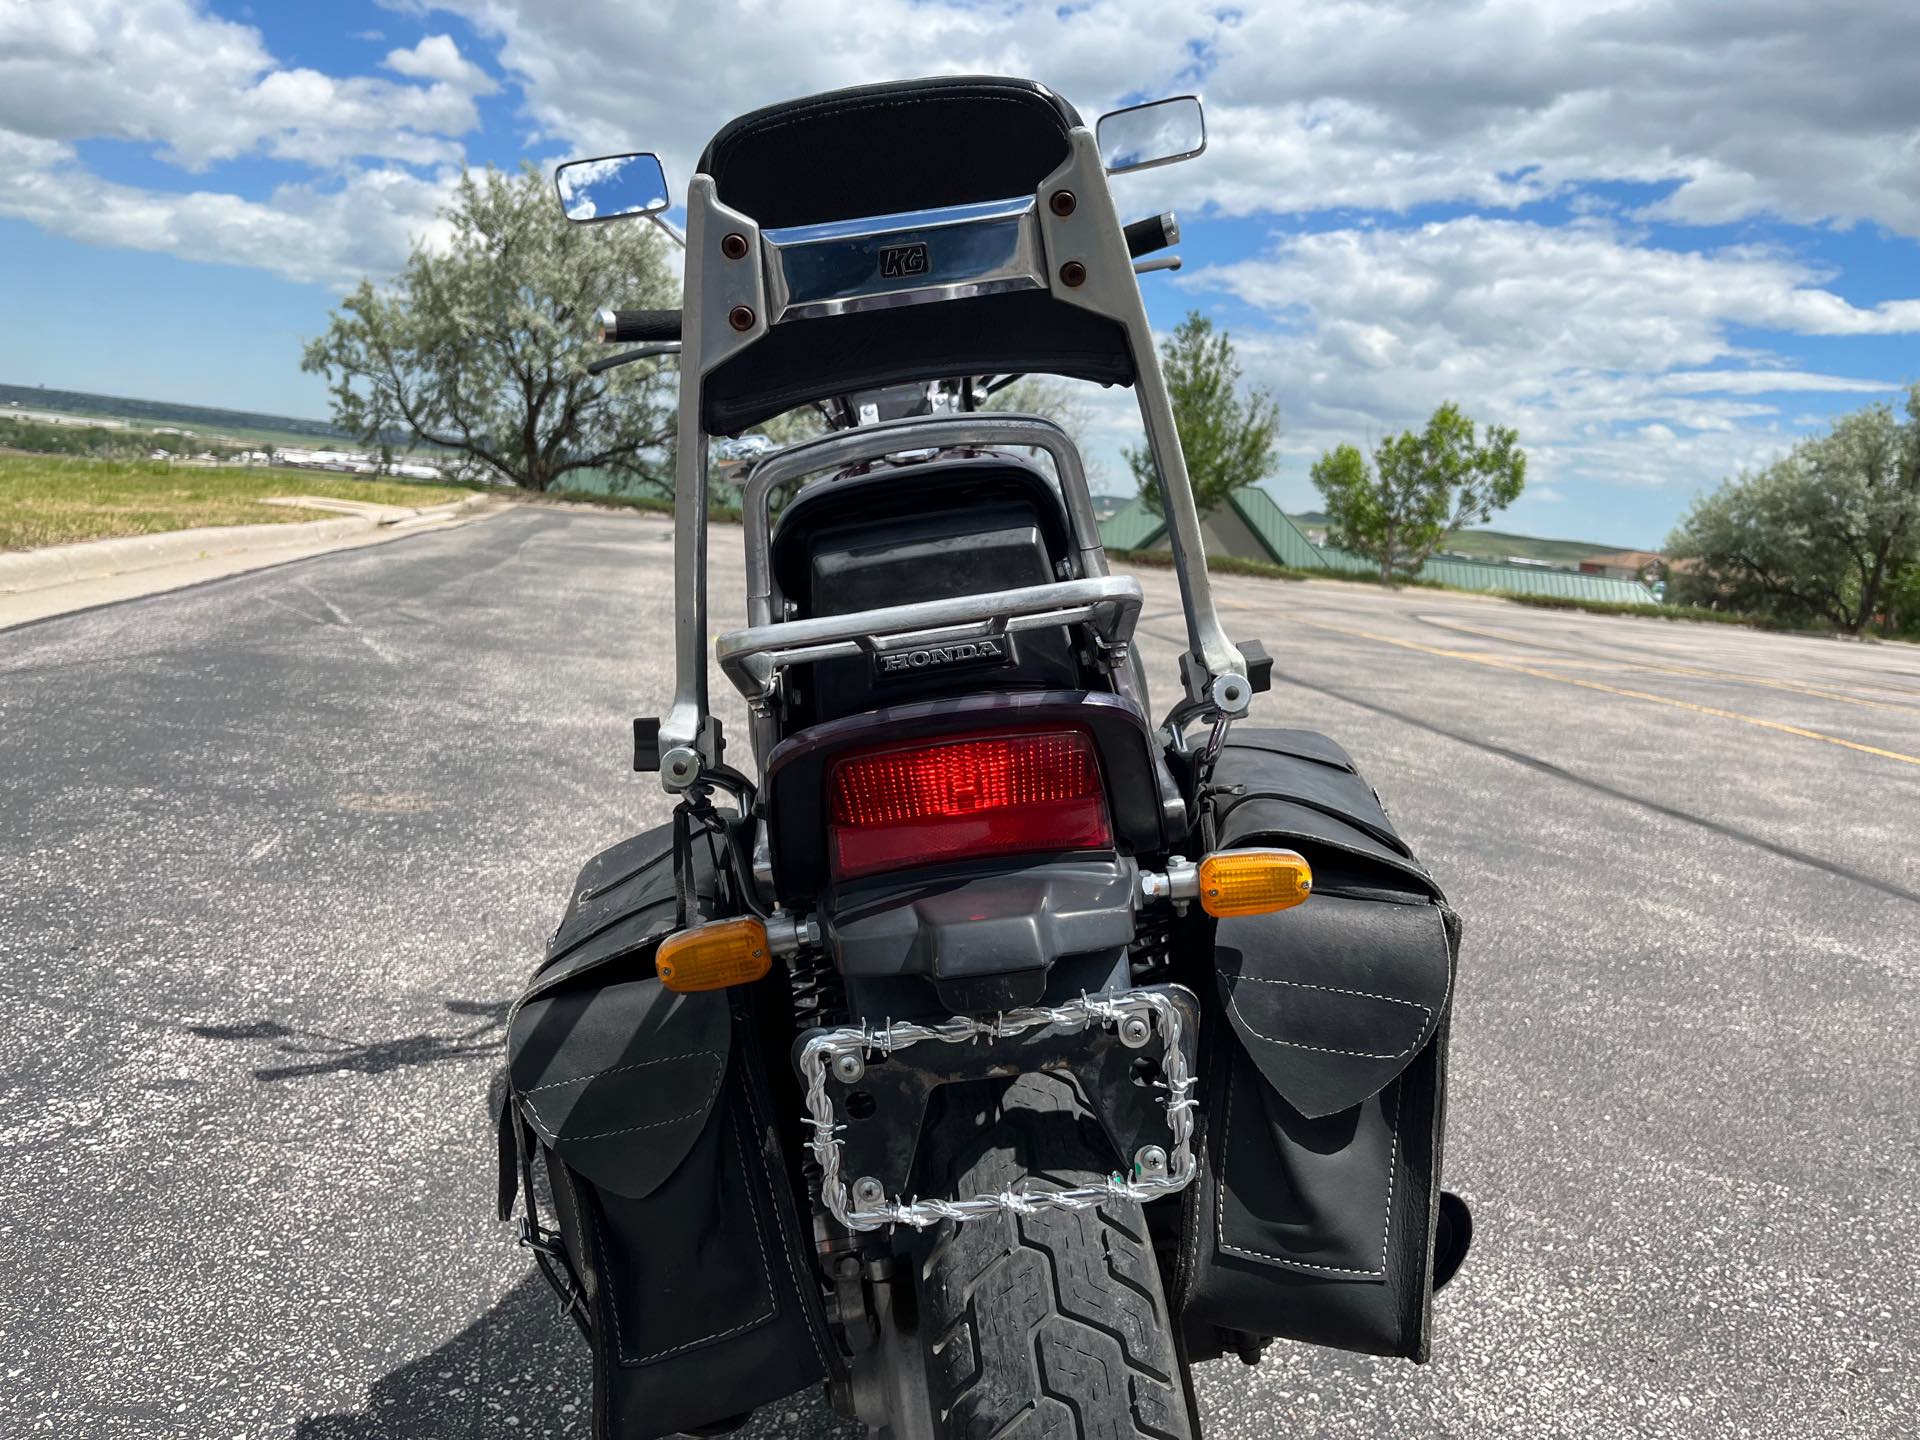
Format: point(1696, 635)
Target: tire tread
point(1050, 1326)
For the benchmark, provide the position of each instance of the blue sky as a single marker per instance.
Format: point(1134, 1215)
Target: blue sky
point(1662, 240)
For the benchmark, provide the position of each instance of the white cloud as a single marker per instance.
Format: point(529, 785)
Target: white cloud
point(1767, 382)
point(331, 236)
point(1614, 359)
point(1804, 111)
point(1799, 110)
point(609, 75)
point(436, 57)
point(206, 89)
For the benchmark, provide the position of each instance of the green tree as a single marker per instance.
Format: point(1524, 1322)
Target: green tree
point(1903, 601)
point(1424, 485)
point(1227, 437)
point(480, 346)
point(1819, 535)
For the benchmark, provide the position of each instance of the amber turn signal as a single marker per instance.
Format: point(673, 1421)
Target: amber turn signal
point(1253, 882)
point(712, 957)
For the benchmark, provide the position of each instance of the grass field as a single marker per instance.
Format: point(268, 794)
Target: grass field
point(208, 421)
point(112, 437)
point(51, 500)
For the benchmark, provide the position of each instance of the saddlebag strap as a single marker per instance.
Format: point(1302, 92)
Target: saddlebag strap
point(683, 899)
point(509, 1133)
point(548, 1246)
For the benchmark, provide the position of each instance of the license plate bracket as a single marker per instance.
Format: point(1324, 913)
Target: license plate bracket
point(865, 1106)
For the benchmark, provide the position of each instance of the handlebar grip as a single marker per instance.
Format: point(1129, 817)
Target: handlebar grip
point(1156, 232)
point(638, 327)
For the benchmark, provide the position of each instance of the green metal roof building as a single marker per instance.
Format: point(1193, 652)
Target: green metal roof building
point(1252, 526)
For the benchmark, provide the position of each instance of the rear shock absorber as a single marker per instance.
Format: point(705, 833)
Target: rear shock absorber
point(1150, 956)
point(819, 996)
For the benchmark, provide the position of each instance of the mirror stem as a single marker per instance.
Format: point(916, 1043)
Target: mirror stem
point(672, 234)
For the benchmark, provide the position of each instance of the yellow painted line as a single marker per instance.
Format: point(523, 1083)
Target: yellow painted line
point(1567, 662)
point(1699, 672)
point(1519, 669)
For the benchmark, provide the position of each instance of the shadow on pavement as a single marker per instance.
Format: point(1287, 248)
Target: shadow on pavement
point(521, 1371)
point(333, 1053)
point(518, 1370)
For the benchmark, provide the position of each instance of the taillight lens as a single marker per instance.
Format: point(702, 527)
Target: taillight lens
point(965, 797)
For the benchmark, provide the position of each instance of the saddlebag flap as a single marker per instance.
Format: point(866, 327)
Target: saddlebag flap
point(677, 1245)
point(1334, 998)
point(1317, 1214)
point(620, 1080)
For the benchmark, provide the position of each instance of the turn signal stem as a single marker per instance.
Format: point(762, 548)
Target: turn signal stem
point(1179, 881)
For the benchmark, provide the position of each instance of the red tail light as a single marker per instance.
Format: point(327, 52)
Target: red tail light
point(965, 797)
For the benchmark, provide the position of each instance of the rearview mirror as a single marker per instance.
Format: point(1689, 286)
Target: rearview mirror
point(612, 186)
point(1157, 133)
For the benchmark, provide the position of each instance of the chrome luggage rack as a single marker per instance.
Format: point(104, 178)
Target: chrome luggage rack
point(1137, 1016)
point(753, 658)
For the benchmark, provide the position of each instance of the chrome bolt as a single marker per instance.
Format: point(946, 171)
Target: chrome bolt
point(1135, 1031)
point(849, 1068)
point(1230, 694)
point(1150, 1162)
point(869, 1192)
point(680, 766)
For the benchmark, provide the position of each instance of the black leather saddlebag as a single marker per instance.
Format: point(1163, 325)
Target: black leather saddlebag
point(1318, 1214)
point(678, 1248)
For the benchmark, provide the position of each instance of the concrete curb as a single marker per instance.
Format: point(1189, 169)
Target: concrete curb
point(28, 570)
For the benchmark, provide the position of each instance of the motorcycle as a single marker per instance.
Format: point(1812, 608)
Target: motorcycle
point(982, 1049)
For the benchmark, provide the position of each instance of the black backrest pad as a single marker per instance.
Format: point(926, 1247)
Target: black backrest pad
point(1025, 331)
point(882, 149)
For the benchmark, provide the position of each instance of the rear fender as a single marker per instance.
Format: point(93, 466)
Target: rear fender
point(985, 938)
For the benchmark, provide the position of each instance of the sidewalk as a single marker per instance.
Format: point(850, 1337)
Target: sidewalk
point(57, 579)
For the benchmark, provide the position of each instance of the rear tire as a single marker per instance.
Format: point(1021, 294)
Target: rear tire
point(1051, 1326)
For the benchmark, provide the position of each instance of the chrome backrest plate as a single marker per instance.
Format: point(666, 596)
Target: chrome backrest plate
point(913, 258)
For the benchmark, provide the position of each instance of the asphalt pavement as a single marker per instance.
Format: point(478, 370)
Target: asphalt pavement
point(276, 853)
